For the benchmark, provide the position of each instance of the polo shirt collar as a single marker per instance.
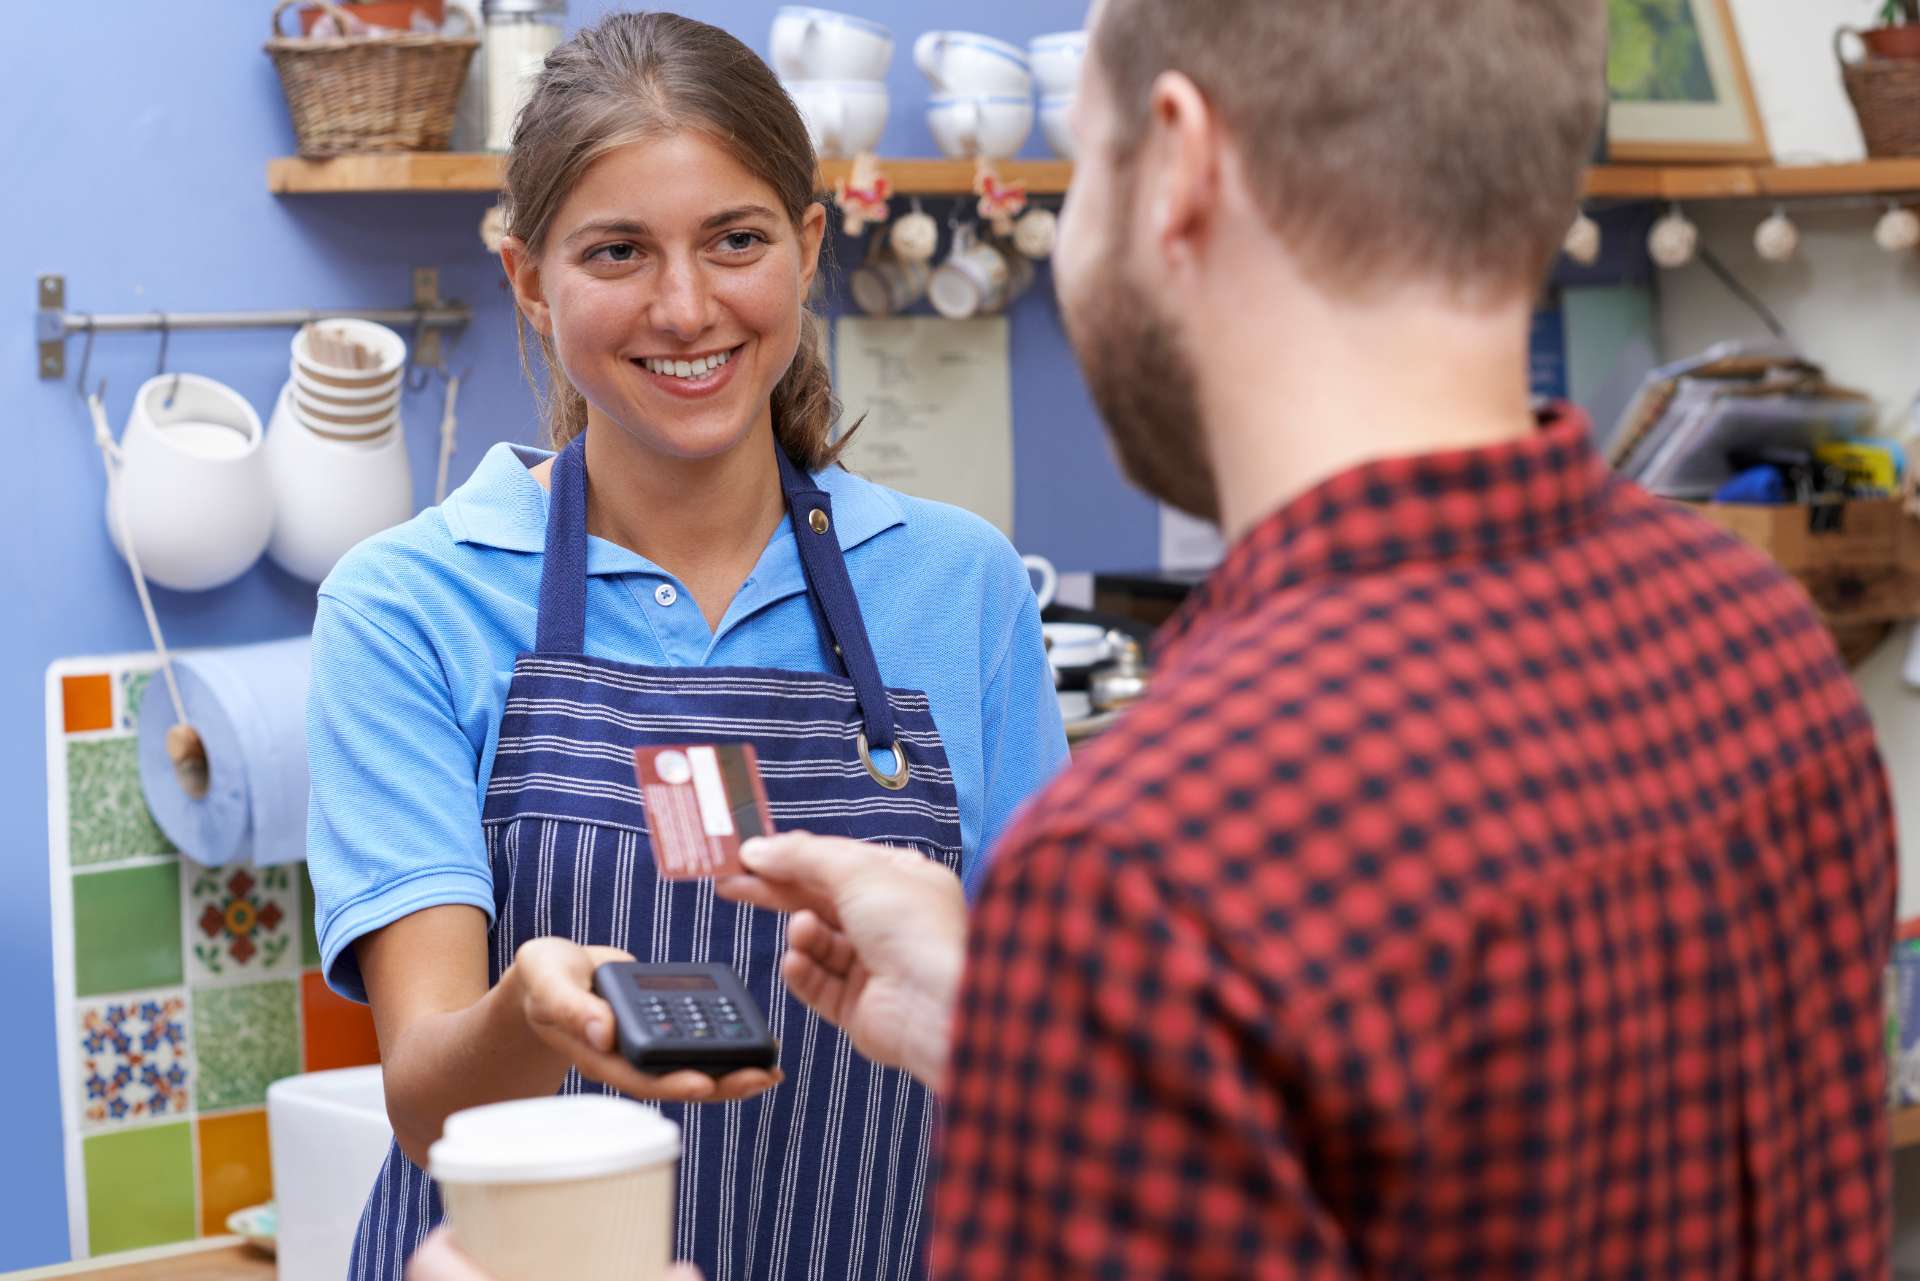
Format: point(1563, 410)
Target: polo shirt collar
point(503, 506)
point(1471, 505)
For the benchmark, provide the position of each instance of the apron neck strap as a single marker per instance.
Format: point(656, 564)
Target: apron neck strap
point(813, 533)
point(563, 572)
point(563, 578)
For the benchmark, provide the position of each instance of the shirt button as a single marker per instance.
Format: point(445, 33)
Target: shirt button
point(665, 594)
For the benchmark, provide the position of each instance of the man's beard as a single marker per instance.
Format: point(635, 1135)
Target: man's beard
point(1143, 383)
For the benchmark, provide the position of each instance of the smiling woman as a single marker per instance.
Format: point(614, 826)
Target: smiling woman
point(692, 567)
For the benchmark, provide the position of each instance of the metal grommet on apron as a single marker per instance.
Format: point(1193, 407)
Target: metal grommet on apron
point(824, 1178)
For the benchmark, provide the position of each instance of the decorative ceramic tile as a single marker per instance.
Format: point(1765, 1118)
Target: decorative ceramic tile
point(126, 929)
point(86, 703)
point(139, 1187)
point(240, 921)
point(339, 1032)
point(309, 932)
point(246, 1039)
point(133, 687)
point(135, 1062)
point(236, 1168)
point(107, 818)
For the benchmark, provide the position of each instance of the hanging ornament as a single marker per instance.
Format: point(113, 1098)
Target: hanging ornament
point(1036, 233)
point(1000, 201)
point(493, 228)
point(863, 194)
point(1673, 240)
point(916, 237)
point(1777, 238)
point(1898, 231)
point(1583, 240)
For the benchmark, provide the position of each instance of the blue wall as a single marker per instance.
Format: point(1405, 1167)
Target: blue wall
point(134, 157)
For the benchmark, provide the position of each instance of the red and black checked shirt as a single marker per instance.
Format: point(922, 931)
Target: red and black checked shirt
point(1496, 884)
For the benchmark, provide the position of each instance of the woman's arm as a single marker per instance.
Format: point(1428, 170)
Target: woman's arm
point(448, 1042)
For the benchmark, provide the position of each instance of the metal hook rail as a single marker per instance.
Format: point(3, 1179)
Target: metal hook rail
point(429, 317)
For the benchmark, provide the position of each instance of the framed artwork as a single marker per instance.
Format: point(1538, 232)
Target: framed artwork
point(1679, 85)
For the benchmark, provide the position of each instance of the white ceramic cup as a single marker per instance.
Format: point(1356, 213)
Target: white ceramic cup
point(994, 127)
point(844, 117)
point(963, 62)
point(888, 286)
point(1056, 114)
point(972, 281)
point(819, 44)
point(576, 1186)
point(191, 484)
point(388, 348)
point(1057, 59)
point(330, 491)
point(1044, 577)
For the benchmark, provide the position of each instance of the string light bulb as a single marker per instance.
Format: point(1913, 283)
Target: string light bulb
point(1777, 239)
point(1898, 231)
point(1674, 240)
point(1583, 240)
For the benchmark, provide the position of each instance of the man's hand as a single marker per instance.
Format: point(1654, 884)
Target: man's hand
point(876, 944)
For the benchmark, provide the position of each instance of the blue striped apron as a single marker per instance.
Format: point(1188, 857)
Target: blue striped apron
point(823, 1179)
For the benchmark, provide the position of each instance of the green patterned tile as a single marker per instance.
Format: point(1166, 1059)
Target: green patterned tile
point(107, 818)
point(126, 929)
point(309, 932)
point(133, 687)
point(139, 1188)
point(245, 1038)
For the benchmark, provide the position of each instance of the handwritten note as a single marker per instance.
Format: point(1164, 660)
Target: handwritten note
point(938, 400)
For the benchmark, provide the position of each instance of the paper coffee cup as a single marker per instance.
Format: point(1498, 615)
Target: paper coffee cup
point(579, 1186)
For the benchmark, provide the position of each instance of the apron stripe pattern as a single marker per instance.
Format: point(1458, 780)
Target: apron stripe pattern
point(824, 1179)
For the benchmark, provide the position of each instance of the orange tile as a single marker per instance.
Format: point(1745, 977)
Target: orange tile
point(88, 701)
point(236, 1170)
point(339, 1031)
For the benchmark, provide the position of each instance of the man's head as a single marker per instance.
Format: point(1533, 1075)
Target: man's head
point(1363, 151)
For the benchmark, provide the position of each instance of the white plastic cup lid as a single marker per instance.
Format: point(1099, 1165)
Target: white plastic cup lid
point(580, 1136)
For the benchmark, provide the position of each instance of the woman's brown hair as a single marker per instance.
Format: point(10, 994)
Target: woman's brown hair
point(642, 75)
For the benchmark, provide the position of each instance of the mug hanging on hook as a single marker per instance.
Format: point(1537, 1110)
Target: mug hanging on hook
point(916, 236)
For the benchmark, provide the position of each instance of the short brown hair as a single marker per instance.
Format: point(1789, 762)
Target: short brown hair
point(641, 75)
point(1388, 139)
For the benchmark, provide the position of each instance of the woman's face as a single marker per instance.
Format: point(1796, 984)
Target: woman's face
point(671, 284)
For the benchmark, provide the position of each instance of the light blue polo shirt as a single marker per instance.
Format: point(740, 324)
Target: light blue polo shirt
point(418, 629)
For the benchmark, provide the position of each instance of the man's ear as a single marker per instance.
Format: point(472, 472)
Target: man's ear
point(1179, 168)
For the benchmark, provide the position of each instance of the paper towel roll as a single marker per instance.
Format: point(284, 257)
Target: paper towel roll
point(249, 704)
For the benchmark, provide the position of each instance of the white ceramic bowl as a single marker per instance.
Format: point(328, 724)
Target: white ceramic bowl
point(963, 62)
point(1055, 122)
point(819, 44)
point(329, 494)
point(191, 485)
point(994, 127)
point(1057, 60)
point(389, 349)
point(844, 117)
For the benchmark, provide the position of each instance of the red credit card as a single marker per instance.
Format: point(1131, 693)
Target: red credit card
point(702, 803)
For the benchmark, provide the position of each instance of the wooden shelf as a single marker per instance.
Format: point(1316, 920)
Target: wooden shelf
point(1906, 1127)
point(481, 173)
point(1751, 182)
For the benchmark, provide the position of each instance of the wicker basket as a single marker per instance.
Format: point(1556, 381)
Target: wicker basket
point(1886, 97)
point(394, 92)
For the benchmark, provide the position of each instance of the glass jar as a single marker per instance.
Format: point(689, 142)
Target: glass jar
point(520, 34)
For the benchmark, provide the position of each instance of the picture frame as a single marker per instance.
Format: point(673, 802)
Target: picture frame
point(1679, 87)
